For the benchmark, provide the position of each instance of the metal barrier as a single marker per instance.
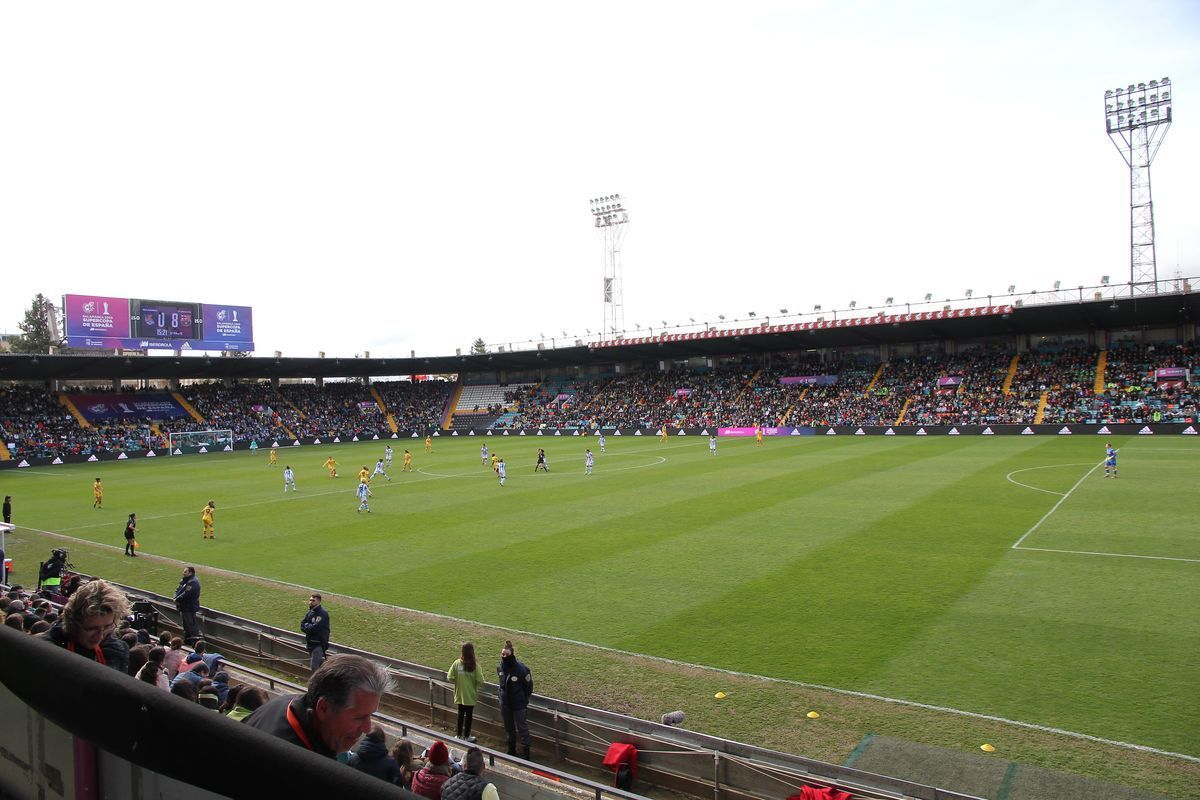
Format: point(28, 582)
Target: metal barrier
point(681, 760)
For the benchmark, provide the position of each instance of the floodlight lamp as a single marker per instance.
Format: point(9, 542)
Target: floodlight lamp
point(664, 322)
point(753, 314)
point(817, 307)
point(1012, 287)
point(721, 317)
point(1104, 280)
point(970, 292)
point(692, 319)
point(1108, 92)
point(1057, 284)
point(1165, 81)
point(928, 296)
point(888, 301)
point(783, 311)
point(853, 303)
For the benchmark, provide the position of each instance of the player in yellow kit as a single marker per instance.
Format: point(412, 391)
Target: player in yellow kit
point(662, 433)
point(97, 495)
point(428, 444)
point(758, 436)
point(206, 517)
point(407, 462)
point(364, 475)
point(495, 463)
point(331, 465)
point(272, 458)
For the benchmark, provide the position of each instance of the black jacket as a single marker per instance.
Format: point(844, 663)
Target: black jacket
point(272, 719)
point(316, 627)
point(115, 651)
point(372, 758)
point(187, 594)
point(515, 683)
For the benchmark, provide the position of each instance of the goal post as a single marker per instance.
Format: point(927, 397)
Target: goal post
point(201, 441)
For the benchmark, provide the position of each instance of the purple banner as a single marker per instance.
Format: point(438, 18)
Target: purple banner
point(683, 392)
point(228, 324)
point(364, 405)
point(782, 431)
point(97, 317)
point(564, 398)
point(1171, 372)
point(110, 407)
point(812, 380)
point(950, 380)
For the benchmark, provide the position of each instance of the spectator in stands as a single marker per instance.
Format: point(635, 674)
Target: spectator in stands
point(247, 700)
point(328, 719)
point(15, 620)
point(406, 758)
point(469, 784)
point(39, 627)
point(197, 673)
point(515, 684)
point(371, 756)
point(139, 654)
point(207, 696)
point(152, 671)
point(174, 657)
point(88, 622)
point(429, 779)
point(185, 689)
point(221, 684)
point(187, 603)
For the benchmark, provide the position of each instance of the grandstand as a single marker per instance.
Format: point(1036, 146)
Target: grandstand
point(1005, 370)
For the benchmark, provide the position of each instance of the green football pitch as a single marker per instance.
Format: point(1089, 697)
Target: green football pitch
point(997, 575)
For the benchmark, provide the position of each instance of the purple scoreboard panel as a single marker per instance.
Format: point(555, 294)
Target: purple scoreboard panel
point(140, 324)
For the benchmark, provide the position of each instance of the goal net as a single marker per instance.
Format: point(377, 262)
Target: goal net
point(201, 442)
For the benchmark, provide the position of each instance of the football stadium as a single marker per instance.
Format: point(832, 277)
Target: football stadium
point(881, 564)
point(851, 455)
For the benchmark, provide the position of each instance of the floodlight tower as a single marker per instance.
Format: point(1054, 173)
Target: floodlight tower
point(611, 219)
point(1138, 118)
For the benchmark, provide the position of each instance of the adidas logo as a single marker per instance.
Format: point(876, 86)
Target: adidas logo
point(353, 438)
point(122, 457)
point(454, 433)
point(682, 433)
point(274, 444)
point(489, 433)
point(522, 433)
point(228, 448)
point(1064, 431)
point(506, 433)
point(1145, 431)
point(637, 433)
point(539, 433)
point(57, 460)
point(1027, 432)
point(437, 433)
point(201, 450)
point(90, 458)
point(177, 452)
point(472, 432)
point(889, 432)
point(921, 432)
point(952, 432)
point(337, 440)
point(860, 432)
point(795, 432)
point(25, 463)
point(831, 432)
point(295, 443)
point(1103, 430)
point(558, 433)
point(705, 432)
point(1188, 431)
point(316, 441)
point(150, 454)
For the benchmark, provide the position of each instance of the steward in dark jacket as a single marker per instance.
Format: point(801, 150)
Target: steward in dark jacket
point(315, 626)
point(515, 684)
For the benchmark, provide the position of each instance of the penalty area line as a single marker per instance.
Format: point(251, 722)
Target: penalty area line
point(1111, 555)
point(660, 659)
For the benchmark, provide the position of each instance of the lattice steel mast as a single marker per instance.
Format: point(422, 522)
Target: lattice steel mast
point(611, 219)
point(1137, 118)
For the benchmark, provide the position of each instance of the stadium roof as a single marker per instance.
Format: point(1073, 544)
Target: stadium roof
point(990, 321)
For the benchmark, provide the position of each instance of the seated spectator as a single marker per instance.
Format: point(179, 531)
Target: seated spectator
point(221, 684)
point(88, 622)
point(470, 783)
point(247, 700)
point(185, 689)
point(406, 759)
point(429, 779)
point(174, 657)
point(152, 671)
point(194, 676)
point(206, 695)
point(39, 627)
point(335, 711)
point(15, 620)
point(371, 756)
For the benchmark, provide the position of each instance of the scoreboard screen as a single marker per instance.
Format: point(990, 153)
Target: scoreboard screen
point(139, 324)
point(155, 319)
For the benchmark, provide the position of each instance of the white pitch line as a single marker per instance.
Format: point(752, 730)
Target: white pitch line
point(659, 659)
point(1112, 555)
point(1009, 477)
point(1054, 508)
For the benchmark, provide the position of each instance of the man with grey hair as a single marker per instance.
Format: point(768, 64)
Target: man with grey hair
point(469, 784)
point(88, 622)
point(335, 711)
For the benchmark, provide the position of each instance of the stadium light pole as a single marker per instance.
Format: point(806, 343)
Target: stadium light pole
point(611, 217)
point(1137, 118)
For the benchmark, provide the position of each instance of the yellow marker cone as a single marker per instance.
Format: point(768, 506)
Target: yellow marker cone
point(720, 695)
point(813, 715)
point(987, 748)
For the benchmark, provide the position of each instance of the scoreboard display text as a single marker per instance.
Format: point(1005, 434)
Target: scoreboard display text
point(141, 324)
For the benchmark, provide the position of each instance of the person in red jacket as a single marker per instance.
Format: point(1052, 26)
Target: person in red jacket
point(429, 779)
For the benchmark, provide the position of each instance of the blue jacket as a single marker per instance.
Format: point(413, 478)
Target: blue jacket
point(316, 627)
point(187, 594)
point(515, 682)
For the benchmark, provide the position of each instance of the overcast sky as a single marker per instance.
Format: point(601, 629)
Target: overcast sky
point(399, 177)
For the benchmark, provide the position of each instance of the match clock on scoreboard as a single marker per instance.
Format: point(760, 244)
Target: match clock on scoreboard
point(158, 319)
